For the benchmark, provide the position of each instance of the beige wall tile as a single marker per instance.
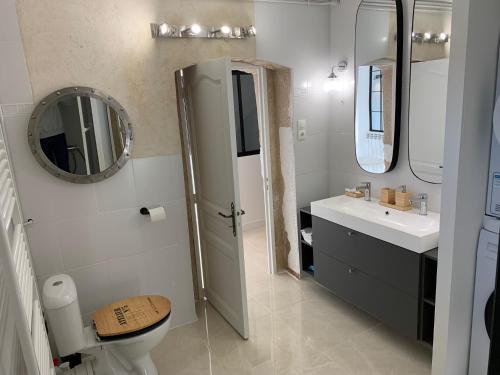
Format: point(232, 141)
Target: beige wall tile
point(108, 45)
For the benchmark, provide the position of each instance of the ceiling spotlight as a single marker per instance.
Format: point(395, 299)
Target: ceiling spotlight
point(195, 29)
point(163, 29)
point(225, 30)
point(427, 36)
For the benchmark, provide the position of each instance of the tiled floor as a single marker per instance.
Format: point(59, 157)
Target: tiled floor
point(296, 327)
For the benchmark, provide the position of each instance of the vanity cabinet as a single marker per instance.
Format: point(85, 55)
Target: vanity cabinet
point(378, 277)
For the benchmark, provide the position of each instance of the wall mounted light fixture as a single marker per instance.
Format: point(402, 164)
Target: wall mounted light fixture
point(341, 67)
point(165, 30)
point(334, 82)
point(428, 37)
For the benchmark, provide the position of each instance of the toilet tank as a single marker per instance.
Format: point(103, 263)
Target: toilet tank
point(63, 311)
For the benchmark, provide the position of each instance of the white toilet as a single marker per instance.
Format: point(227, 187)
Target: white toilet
point(120, 345)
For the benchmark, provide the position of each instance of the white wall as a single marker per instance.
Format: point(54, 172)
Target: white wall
point(298, 36)
point(251, 191)
point(471, 94)
point(344, 170)
point(95, 232)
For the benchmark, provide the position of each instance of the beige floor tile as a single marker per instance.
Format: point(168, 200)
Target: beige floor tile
point(296, 328)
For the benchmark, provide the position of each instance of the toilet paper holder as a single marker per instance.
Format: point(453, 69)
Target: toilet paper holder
point(144, 211)
point(154, 214)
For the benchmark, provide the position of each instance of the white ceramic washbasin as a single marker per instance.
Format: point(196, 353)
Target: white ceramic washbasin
point(407, 229)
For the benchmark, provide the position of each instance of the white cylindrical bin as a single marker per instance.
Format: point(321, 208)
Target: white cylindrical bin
point(63, 311)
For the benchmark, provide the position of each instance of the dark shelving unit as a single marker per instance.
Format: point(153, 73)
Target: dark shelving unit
point(306, 250)
point(428, 296)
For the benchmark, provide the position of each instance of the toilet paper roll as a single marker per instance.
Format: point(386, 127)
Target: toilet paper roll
point(157, 214)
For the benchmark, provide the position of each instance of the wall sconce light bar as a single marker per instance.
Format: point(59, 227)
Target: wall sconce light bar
point(428, 37)
point(165, 30)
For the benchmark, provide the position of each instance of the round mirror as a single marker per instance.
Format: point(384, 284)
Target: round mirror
point(80, 134)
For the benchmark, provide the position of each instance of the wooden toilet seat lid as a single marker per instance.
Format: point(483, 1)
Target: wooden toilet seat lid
point(131, 315)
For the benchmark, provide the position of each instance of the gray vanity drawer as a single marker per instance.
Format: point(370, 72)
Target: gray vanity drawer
point(392, 264)
point(389, 305)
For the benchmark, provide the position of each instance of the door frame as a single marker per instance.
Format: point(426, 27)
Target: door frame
point(192, 183)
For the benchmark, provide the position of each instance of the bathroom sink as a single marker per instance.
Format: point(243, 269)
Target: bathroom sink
point(407, 229)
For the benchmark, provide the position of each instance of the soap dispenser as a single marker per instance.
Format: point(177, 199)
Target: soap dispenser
point(403, 198)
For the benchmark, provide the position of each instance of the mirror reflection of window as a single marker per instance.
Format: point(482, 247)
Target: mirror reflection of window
point(376, 100)
point(82, 135)
point(428, 87)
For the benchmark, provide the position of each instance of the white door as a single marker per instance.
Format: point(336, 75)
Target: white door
point(209, 96)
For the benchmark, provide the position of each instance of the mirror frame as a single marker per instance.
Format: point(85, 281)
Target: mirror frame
point(409, 100)
point(75, 91)
point(399, 85)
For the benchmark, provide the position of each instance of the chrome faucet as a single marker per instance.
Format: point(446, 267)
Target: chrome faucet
point(367, 189)
point(422, 200)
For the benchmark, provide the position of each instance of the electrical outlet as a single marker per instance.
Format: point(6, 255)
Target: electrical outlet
point(301, 130)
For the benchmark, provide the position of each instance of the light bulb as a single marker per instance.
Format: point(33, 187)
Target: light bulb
point(225, 29)
point(163, 28)
point(443, 36)
point(427, 36)
point(195, 29)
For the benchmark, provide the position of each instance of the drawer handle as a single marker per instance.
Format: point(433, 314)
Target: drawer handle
point(351, 233)
point(351, 271)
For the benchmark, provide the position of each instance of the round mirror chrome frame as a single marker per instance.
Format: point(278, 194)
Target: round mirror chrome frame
point(399, 85)
point(36, 147)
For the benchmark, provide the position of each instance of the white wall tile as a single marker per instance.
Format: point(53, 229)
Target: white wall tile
point(178, 210)
point(162, 233)
point(45, 248)
point(311, 154)
point(306, 50)
point(169, 274)
point(176, 184)
point(93, 286)
point(118, 191)
point(342, 153)
point(158, 179)
point(311, 187)
point(118, 233)
point(78, 242)
point(72, 200)
point(126, 276)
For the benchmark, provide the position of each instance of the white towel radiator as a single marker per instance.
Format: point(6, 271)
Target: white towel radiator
point(24, 344)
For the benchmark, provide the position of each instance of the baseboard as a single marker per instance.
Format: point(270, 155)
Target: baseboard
point(293, 273)
point(254, 224)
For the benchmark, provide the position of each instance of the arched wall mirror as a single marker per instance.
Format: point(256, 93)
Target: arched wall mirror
point(430, 52)
point(378, 60)
point(80, 135)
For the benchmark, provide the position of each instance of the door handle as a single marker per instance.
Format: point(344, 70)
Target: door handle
point(351, 233)
point(232, 217)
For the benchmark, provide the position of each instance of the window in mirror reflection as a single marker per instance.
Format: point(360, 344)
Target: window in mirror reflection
point(428, 87)
point(81, 135)
point(376, 104)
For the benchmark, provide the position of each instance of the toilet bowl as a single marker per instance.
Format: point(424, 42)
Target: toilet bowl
point(122, 335)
